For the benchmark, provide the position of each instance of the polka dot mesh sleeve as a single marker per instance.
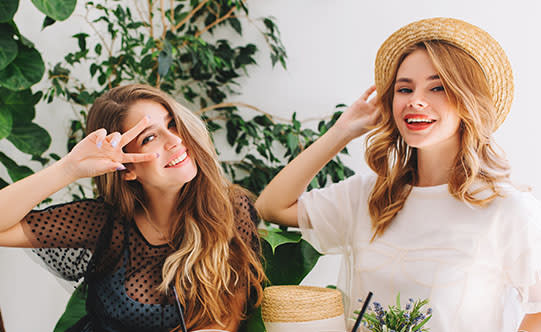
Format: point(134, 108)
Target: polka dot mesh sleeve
point(65, 235)
point(71, 225)
point(247, 220)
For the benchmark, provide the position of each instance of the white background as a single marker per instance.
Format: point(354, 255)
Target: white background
point(331, 47)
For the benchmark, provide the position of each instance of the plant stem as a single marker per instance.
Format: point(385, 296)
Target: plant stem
point(181, 23)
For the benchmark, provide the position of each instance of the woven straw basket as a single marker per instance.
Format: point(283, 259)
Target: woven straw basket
point(302, 308)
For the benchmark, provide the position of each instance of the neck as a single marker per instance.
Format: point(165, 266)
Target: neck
point(160, 206)
point(434, 164)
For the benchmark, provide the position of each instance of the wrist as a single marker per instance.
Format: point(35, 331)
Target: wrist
point(67, 169)
point(342, 133)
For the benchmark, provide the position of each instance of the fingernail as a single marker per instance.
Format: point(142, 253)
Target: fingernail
point(114, 143)
point(121, 168)
point(157, 155)
point(147, 117)
point(99, 144)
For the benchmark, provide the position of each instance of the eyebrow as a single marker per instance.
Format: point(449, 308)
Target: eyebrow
point(167, 118)
point(144, 131)
point(409, 80)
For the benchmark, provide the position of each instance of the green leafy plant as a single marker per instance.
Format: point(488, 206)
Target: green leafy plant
point(411, 318)
point(21, 67)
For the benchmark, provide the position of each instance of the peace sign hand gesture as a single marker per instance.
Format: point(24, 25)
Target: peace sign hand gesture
point(99, 153)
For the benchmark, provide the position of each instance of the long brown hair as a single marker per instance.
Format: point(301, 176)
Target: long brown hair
point(209, 279)
point(479, 159)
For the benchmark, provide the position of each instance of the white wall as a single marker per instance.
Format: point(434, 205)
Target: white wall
point(331, 47)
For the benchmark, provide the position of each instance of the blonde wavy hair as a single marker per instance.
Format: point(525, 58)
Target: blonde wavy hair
point(479, 160)
point(210, 280)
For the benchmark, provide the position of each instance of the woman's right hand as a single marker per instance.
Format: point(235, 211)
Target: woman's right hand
point(99, 153)
point(360, 116)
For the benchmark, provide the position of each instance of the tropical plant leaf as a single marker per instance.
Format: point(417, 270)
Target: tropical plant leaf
point(6, 122)
point(30, 138)
point(59, 10)
point(165, 59)
point(8, 46)
point(20, 104)
point(23, 72)
point(289, 263)
point(254, 323)
point(8, 8)
point(3, 184)
point(75, 310)
point(276, 237)
point(15, 171)
point(47, 21)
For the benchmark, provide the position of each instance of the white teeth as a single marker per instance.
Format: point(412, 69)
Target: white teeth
point(412, 120)
point(178, 160)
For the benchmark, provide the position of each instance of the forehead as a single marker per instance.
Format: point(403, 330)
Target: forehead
point(155, 111)
point(418, 63)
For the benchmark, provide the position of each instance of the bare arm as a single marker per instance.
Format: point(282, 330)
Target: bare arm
point(531, 323)
point(96, 154)
point(278, 201)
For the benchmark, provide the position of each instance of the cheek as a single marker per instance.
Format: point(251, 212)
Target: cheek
point(396, 107)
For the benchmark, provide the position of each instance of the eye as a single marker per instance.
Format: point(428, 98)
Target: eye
point(404, 90)
point(147, 139)
point(438, 88)
point(172, 124)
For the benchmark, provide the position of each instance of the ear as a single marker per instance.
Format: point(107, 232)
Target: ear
point(129, 175)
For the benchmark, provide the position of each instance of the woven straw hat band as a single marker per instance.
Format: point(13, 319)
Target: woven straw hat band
point(300, 303)
point(476, 42)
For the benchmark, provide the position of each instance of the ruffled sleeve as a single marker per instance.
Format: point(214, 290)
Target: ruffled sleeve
point(522, 250)
point(326, 216)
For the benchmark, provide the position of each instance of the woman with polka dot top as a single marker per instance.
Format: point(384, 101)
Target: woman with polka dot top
point(168, 245)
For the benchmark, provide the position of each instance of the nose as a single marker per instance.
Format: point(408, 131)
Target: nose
point(172, 141)
point(417, 102)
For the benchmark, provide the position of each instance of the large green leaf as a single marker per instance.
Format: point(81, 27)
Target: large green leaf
point(6, 122)
point(290, 262)
point(20, 104)
point(30, 138)
point(276, 237)
point(23, 72)
point(75, 310)
point(8, 46)
point(56, 9)
point(8, 9)
point(15, 171)
point(254, 322)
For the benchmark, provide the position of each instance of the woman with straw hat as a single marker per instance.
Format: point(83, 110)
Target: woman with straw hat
point(439, 219)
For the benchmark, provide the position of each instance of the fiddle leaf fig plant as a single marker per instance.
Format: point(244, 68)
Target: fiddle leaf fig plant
point(21, 67)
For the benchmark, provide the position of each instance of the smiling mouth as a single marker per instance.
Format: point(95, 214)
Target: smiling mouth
point(178, 160)
point(419, 120)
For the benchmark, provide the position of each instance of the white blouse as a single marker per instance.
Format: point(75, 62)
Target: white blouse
point(477, 266)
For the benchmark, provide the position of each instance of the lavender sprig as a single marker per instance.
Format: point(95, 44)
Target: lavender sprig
point(411, 318)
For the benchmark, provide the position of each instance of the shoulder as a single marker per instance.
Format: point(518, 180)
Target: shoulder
point(515, 202)
point(85, 206)
point(246, 216)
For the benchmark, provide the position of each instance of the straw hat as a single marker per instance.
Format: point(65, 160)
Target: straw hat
point(473, 40)
point(300, 304)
